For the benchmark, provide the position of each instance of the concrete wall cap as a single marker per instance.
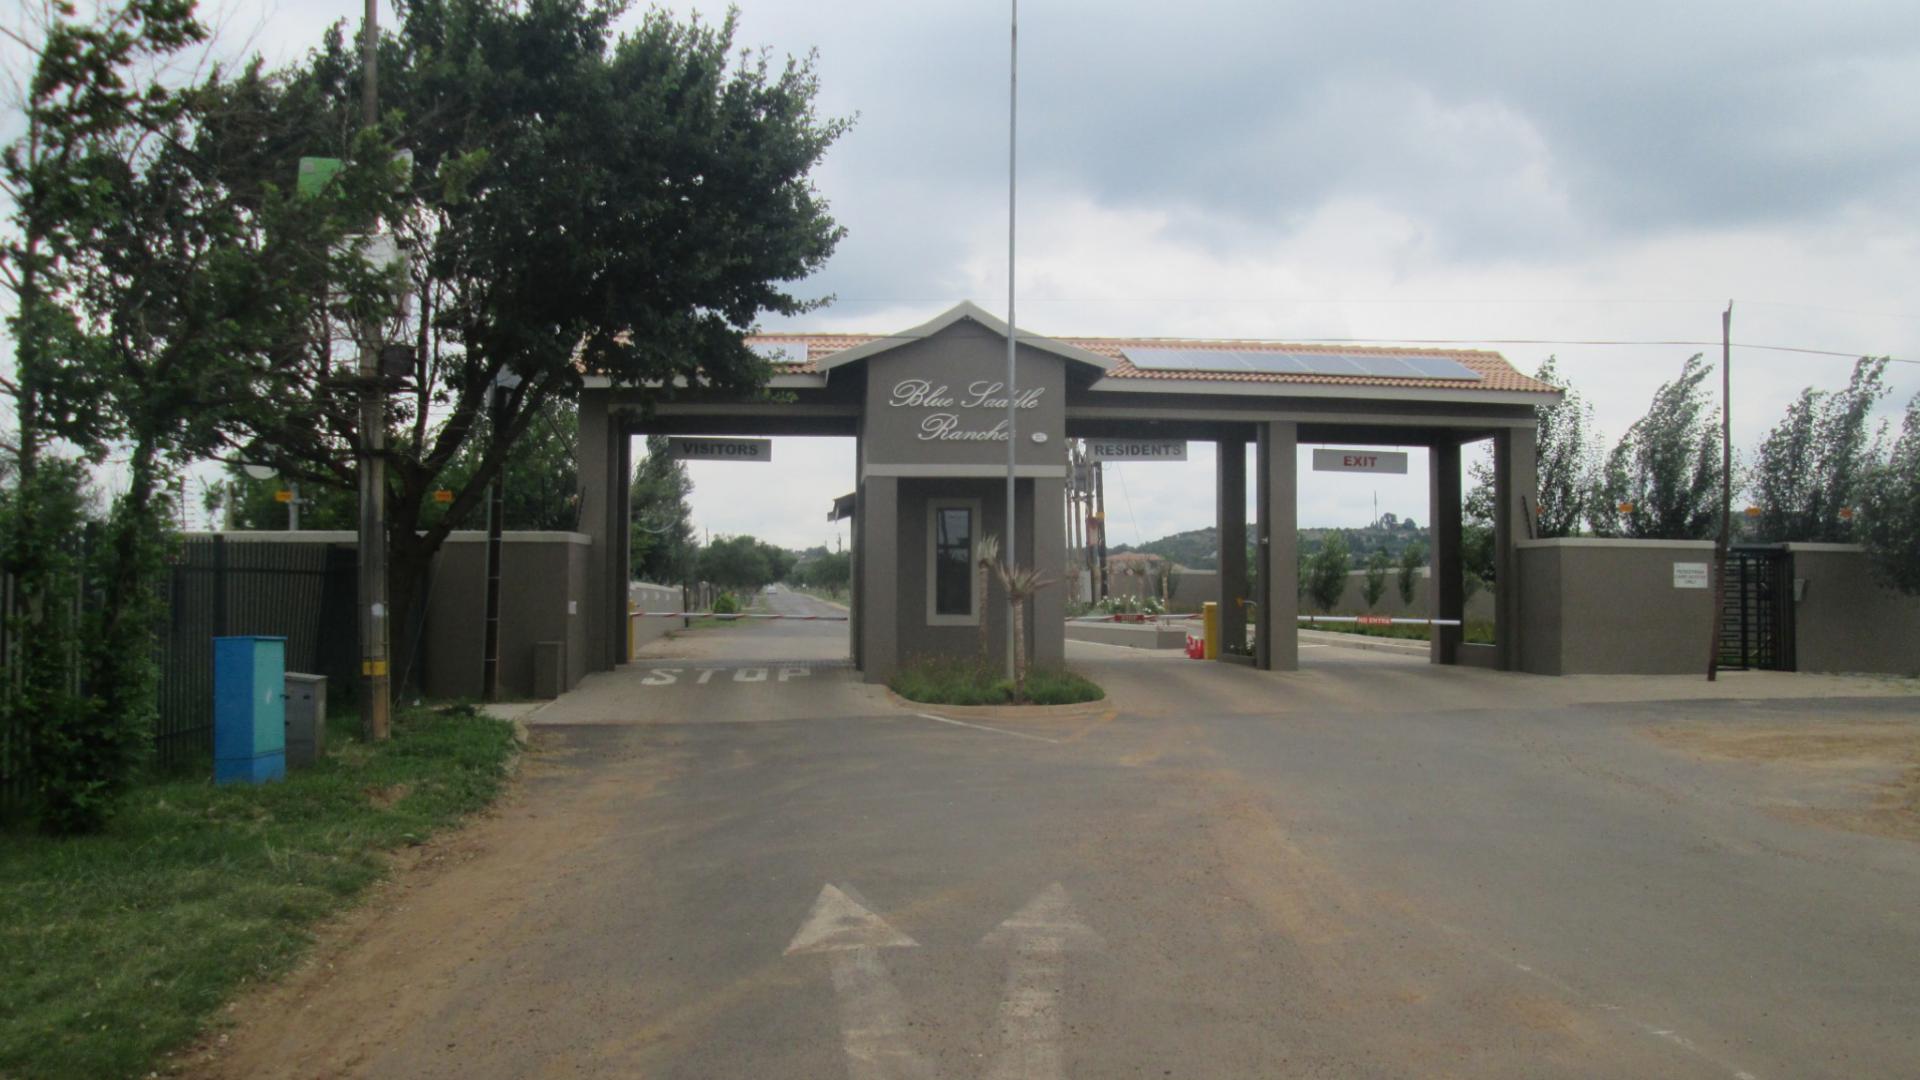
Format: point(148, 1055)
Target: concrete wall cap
point(1616, 542)
point(1811, 547)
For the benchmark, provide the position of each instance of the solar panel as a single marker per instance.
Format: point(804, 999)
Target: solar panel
point(780, 352)
point(1439, 367)
point(1268, 362)
point(1184, 360)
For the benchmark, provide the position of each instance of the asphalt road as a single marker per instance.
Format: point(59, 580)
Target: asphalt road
point(1368, 868)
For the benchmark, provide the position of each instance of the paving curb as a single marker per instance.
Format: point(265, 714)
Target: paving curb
point(1085, 710)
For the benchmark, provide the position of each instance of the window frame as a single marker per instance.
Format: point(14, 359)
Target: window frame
point(974, 524)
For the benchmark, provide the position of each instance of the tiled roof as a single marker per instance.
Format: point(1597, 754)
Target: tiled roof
point(1495, 372)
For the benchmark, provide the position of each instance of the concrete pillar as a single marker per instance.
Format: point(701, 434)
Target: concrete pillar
point(1230, 499)
point(1516, 493)
point(1049, 605)
point(856, 591)
point(879, 514)
point(1276, 483)
point(598, 462)
point(1448, 594)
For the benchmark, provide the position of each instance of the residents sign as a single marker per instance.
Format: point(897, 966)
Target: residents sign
point(1365, 461)
point(1137, 449)
point(681, 448)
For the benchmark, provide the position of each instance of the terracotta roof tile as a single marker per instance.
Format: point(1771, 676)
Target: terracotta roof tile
point(1495, 372)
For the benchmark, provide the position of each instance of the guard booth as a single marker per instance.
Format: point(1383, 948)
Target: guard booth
point(928, 407)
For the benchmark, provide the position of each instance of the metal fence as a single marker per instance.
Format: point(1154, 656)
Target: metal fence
point(302, 591)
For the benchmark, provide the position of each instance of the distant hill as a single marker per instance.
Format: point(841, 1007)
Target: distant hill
point(1199, 549)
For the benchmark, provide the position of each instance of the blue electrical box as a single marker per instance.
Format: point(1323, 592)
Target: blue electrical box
point(249, 709)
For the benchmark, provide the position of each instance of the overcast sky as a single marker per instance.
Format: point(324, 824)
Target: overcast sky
point(1384, 170)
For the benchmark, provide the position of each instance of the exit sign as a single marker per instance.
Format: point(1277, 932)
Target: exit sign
point(1368, 461)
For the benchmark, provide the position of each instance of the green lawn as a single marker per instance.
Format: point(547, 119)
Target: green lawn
point(943, 681)
point(115, 949)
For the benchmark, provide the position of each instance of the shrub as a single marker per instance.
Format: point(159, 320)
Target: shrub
point(726, 604)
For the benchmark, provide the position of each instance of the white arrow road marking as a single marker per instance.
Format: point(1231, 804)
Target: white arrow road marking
point(873, 1023)
point(1040, 935)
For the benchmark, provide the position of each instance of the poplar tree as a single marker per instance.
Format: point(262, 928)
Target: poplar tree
point(1666, 468)
point(1890, 518)
point(1812, 469)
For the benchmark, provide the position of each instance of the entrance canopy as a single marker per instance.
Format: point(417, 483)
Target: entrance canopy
point(928, 407)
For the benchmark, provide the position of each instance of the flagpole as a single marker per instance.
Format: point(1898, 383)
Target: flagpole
point(1013, 446)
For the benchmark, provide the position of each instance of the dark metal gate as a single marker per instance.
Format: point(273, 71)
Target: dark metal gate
point(1756, 621)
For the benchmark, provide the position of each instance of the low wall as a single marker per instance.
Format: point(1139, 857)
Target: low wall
point(642, 596)
point(1845, 620)
point(542, 582)
point(1131, 635)
point(1610, 607)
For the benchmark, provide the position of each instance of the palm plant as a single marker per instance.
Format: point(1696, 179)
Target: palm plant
point(1021, 582)
point(986, 553)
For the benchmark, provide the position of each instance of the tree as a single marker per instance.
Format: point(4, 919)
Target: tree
point(1412, 558)
point(1378, 564)
point(1021, 582)
point(742, 562)
point(831, 572)
point(578, 203)
point(1812, 469)
point(662, 546)
point(154, 309)
point(1890, 518)
point(1327, 572)
point(986, 556)
point(1666, 469)
point(1569, 456)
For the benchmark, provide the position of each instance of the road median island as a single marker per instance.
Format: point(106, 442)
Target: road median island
point(947, 681)
point(119, 947)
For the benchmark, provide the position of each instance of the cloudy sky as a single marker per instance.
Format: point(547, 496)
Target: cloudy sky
point(1381, 170)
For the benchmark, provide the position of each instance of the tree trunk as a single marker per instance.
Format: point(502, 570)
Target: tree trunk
point(1019, 631)
point(986, 580)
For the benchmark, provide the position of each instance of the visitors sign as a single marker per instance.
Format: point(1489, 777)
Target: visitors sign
point(682, 448)
point(1366, 461)
point(1137, 449)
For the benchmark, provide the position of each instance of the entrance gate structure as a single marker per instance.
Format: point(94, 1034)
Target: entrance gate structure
point(927, 408)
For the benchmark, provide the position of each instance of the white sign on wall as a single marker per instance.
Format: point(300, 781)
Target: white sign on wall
point(681, 448)
point(1692, 575)
point(1366, 461)
point(1137, 449)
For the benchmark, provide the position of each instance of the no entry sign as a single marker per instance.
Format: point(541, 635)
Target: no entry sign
point(681, 448)
point(1367, 461)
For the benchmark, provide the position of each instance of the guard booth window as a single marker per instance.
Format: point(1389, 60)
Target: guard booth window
point(952, 574)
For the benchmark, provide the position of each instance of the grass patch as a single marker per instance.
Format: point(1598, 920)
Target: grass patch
point(116, 948)
point(1478, 631)
point(948, 681)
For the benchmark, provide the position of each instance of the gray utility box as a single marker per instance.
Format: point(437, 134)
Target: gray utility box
point(306, 719)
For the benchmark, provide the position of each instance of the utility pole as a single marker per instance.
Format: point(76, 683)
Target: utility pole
point(1013, 444)
point(1726, 489)
point(375, 687)
point(496, 513)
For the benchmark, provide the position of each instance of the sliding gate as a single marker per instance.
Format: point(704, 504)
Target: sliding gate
point(1756, 623)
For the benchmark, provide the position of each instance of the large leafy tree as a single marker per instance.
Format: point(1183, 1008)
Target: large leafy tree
point(1812, 469)
point(1666, 469)
point(1890, 518)
point(153, 306)
point(578, 203)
